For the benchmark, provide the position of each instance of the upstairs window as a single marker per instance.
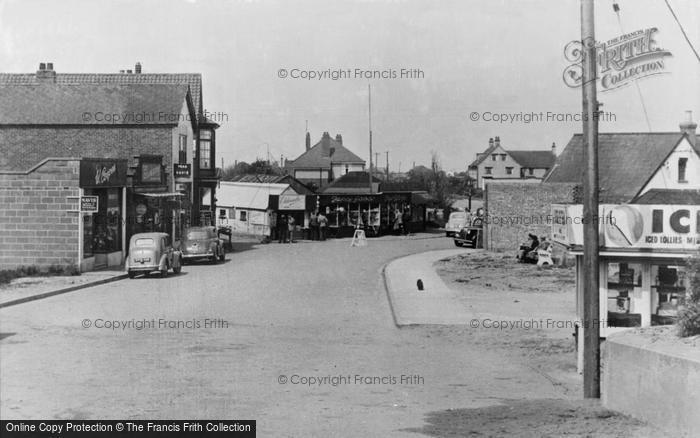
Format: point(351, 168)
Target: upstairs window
point(493, 157)
point(205, 149)
point(182, 149)
point(509, 170)
point(503, 157)
point(488, 170)
point(682, 166)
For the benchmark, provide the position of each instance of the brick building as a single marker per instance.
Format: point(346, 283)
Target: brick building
point(82, 167)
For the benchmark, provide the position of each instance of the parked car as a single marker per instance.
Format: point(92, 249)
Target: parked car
point(457, 221)
point(203, 243)
point(150, 252)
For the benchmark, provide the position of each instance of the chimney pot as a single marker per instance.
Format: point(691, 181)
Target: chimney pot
point(42, 66)
point(308, 141)
point(497, 141)
point(490, 141)
point(49, 66)
point(129, 71)
point(688, 127)
point(137, 68)
point(339, 138)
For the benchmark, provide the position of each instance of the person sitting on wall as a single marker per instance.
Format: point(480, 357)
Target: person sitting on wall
point(525, 251)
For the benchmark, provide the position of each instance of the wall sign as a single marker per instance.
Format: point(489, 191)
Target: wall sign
point(292, 202)
point(106, 172)
point(89, 204)
point(182, 170)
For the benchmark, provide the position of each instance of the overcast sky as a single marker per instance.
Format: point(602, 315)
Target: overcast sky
point(476, 56)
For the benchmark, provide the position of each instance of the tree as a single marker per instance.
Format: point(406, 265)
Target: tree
point(258, 167)
point(439, 183)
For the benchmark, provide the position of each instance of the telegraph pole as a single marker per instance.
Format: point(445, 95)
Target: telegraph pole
point(369, 91)
point(387, 165)
point(591, 289)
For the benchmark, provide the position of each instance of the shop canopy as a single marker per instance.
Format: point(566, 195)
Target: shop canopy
point(162, 195)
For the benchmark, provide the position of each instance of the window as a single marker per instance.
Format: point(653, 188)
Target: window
point(488, 170)
point(503, 157)
point(509, 170)
point(682, 165)
point(493, 156)
point(531, 171)
point(243, 216)
point(347, 169)
point(182, 149)
point(205, 149)
point(222, 212)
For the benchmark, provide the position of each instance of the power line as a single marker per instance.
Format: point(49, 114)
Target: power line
point(682, 30)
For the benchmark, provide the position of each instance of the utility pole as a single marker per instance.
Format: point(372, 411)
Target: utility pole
point(387, 165)
point(369, 94)
point(591, 278)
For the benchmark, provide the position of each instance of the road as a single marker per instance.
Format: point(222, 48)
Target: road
point(301, 311)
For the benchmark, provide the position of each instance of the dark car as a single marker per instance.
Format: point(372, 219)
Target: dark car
point(202, 243)
point(150, 252)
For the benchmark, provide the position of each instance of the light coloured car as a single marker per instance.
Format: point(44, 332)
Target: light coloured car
point(456, 221)
point(149, 252)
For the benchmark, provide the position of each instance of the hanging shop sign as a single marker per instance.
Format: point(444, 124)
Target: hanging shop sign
point(97, 173)
point(643, 227)
point(182, 170)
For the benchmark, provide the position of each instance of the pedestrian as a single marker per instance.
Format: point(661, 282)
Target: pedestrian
point(282, 228)
point(406, 220)
point(313, 225)
point(322, 226)
point(291, 223)
point(398, 224)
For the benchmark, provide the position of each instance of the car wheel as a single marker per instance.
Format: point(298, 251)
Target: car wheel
point(447, 234)
point(164, 272)
point(458, 243)
point(132, 275)
point(214, 259)
point(222, 257)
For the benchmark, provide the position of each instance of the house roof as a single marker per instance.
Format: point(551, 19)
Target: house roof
point(352, 182)
point(322, 154)
point(255, 196)
point(193, 80)
point(50, 104)
point(669, 196)
point(533, 159)
point(626, 161)
point(483, 155)
point(294, 183)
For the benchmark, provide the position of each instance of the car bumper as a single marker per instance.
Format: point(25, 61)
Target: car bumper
point(143, 268)
point(198, 256)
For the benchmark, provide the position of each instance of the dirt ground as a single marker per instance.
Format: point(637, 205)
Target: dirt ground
point(510, 291)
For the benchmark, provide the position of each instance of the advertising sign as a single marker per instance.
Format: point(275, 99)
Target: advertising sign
point(89, 204)
point(106, 172)
point(292, 202)
point(643, 227)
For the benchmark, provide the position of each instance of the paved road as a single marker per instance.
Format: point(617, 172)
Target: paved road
point(304, 310)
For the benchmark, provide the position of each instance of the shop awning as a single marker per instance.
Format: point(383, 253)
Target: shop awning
point(162, 195)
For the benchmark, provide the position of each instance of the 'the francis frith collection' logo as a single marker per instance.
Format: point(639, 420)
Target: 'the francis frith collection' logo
point(619, 61)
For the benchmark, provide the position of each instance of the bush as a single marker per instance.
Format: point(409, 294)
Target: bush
point(6, 276)
point(689, 318)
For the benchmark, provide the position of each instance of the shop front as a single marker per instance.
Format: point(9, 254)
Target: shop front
point(643, 255)
point(102, 206)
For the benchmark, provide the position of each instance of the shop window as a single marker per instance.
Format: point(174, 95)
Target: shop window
point(668, 293)
point(243, 216)
point(682, 165)
point(509, 170)
point(623, 278)
point(531, 171)
point(102, 231)
point(182, 149)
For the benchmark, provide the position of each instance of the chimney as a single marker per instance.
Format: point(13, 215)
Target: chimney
point(129, 71)
point(137, 68)
point(490, 141)
point(497, 141)
point(688, 127)
point(121, 71)
point(339, 139)
point(308, 141)
point(326, 140)
point(46, 73)
point(554, 149)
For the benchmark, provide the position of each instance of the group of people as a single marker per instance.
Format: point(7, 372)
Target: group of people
point(402, 222)
point(528, 253)
point(286, 227)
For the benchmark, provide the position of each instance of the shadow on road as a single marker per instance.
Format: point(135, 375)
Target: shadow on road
point(535, 418)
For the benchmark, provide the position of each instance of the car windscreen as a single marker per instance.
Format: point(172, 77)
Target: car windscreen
point(197, 235)
point(458, 216)
point(144, 242)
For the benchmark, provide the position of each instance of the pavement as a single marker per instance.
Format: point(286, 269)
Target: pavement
point(26, 289)
point(436, 303)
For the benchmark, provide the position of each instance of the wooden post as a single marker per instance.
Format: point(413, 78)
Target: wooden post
point(591, 294)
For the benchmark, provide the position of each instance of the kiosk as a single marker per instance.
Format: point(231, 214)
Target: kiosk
point(643, 255)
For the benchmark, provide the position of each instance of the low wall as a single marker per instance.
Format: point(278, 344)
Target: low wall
point(656, 382)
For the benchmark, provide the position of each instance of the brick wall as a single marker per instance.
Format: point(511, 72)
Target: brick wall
point(24, 147)
point(35, 225)
point(514, 210)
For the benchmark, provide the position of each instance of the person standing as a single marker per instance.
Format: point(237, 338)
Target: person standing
point(291, 226)
point(282, 228)
point(406, 220)
point(322, 226)
point(313, 225)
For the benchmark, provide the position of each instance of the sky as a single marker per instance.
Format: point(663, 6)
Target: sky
point(468, 57)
